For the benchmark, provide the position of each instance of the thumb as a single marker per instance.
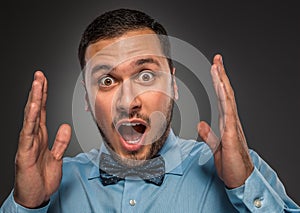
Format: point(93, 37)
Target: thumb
point(62, 140)
point(208, 136)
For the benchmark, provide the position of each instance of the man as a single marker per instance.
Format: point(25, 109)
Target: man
point(142, 166)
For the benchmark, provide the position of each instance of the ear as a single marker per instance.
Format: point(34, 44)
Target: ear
point(175, 88)
point(86, 98)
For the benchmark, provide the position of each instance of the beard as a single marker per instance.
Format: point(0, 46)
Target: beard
point(154, 147)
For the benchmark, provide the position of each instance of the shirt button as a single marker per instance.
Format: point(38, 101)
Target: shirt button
point(132, 202)
point(257, 203)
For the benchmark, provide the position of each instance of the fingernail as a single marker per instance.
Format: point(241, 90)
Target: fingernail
point(221, 59)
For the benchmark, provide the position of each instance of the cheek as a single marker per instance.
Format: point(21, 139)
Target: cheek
point(103, 107)
point(156, 101)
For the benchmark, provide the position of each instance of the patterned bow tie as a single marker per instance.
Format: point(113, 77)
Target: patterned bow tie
point(111, 171)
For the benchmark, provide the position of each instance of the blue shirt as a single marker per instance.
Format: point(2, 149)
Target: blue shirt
point(189, 186)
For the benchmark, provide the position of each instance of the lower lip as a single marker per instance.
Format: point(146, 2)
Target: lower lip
point(132, 146)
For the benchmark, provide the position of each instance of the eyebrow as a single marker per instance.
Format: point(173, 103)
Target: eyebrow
point(146, 61)
point(98, 67)
point(139, 62)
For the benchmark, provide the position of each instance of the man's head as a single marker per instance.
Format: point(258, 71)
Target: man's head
point(127, 74)
point(115, 23)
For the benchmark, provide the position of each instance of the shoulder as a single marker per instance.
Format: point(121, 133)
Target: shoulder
point(195, 152)
point(82, 158)
point(195, 149)
point(81, 163)
point(199, 149)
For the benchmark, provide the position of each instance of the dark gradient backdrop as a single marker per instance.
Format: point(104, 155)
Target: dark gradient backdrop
point(259, 43)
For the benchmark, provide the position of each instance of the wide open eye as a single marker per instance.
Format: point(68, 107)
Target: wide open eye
point(145, 76)
point(106, 81)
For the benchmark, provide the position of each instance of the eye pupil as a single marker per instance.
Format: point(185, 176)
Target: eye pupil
point(107, 82)
point(146, 77)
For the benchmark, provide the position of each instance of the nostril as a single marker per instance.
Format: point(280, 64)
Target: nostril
point(130, 110)
point(135, 108)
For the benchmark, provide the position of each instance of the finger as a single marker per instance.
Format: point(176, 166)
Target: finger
point(31, 113)
point(224, 90)
point(208, 136)
point(212, 141)
point(27, 103)
point(214, 75)
point(218, 62)
point(37, 95)
point(216, 81)
point(228, 104)
point(32, 108)
point(61, 142)
point(218, 59)
point(229, 121)
point(44, 100)
point(26, 135)
point(29, 99)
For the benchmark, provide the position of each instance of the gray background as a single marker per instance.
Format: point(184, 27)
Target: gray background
point(258, 40)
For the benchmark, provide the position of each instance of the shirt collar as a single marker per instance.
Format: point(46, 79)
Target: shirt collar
point(174, 152)
point(172, 155)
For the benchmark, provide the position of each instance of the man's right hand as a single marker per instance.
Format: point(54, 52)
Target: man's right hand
point(38, 169)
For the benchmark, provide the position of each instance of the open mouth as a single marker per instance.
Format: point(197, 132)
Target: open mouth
point(132, 132)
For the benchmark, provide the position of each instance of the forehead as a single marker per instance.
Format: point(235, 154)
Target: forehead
point(114, 51)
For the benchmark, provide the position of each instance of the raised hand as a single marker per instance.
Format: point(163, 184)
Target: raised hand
point(231, 157)
point(38, 169)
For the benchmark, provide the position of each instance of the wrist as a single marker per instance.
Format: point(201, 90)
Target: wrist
point(30, 203)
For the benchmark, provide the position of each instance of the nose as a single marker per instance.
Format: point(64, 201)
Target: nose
point(127, 100)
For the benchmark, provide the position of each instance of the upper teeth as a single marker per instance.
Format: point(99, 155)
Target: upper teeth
point(130, 124)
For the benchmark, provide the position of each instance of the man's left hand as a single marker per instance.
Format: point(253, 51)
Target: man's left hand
point(231, 155)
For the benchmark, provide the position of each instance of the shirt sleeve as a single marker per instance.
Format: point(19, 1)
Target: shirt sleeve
point(262, 191)
point(10, 206)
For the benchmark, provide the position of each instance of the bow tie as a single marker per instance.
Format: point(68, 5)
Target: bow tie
point(111, 171)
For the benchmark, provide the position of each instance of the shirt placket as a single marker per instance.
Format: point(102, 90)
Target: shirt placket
point(131, 201)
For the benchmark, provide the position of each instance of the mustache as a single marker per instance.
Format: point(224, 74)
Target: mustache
point(125, 115)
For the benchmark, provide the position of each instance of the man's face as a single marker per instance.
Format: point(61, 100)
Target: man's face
point(130, 92)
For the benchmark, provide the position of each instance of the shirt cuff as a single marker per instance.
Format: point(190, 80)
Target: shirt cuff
point(11, 206)
point(256, 195)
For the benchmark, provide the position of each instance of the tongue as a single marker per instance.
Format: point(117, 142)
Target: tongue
point(130, 133)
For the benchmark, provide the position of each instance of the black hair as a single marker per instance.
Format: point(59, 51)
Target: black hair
point(115, 23)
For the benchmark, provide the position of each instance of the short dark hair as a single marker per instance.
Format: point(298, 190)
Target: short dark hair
point(115, 23)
